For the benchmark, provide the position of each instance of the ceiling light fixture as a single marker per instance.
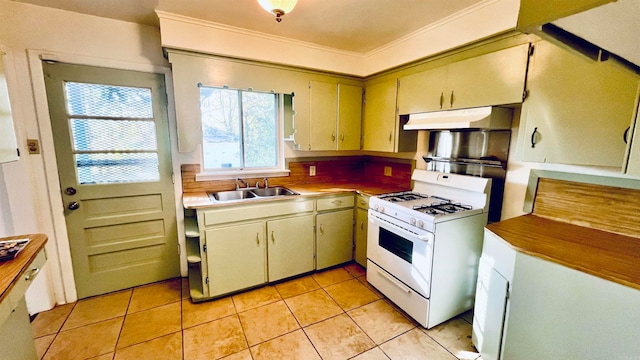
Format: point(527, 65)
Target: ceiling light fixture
point(278, 7)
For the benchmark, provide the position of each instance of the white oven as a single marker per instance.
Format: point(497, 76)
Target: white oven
point(423, 245)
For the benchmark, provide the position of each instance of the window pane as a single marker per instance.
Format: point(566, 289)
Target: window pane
point(107, 100)
point(220, 111)
point(117, 167)
point(260, 129)
point(98, 135)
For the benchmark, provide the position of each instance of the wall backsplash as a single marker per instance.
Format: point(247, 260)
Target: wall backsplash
point(334, 170)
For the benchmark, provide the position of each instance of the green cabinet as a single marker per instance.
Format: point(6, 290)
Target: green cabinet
point(290, 246)
point(334, 231)
point(361, 228)
point(380, 118)
point(577, 110)
point(335, 113)
point(496, 78)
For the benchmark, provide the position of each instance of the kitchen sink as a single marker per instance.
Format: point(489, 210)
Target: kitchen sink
point(232, 195)
point(250, 193)
point(274, 191)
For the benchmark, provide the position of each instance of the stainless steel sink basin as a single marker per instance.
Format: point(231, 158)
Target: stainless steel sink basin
point(250, 193)
point(232, 195)
point(274, 191)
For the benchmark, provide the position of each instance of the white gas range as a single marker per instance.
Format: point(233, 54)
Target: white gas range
point(423, 245)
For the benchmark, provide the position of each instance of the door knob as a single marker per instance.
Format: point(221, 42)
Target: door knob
point(73, 205)
point(70, 191)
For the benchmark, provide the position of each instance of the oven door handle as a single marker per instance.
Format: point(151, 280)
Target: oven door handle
point(428, 237)
point(393, 281)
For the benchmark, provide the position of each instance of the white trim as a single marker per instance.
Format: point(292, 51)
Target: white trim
point(63, 277)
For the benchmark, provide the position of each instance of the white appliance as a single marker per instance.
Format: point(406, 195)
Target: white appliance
point(423, 245)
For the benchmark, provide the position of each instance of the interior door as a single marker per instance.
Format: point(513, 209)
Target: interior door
point(112, 148)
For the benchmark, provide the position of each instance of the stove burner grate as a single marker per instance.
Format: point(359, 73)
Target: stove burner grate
point(402, 196)
point(441, 208)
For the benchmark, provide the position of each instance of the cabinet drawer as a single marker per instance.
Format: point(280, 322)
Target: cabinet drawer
point(256, 211)
point(336, 202)
point(26, 279)
point(362, 201)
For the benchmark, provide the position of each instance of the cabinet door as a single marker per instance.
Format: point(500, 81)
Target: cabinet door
point(489, 313)
point(322, 114)
point(236, 257)
point(349, 117)
point(496, 78)
point(334, 236)
point(361, 237)
point(380, 116)
point(577, 110)
point(290, 246)
point(423, 91)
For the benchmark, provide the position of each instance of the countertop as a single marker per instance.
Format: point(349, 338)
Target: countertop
point(197, 200)
point(12, 270)
point(600, 253)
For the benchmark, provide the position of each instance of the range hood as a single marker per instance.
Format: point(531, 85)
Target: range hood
point(474, 118)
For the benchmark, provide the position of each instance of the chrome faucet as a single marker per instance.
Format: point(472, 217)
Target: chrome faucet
point(238, 181)
point(266, 183)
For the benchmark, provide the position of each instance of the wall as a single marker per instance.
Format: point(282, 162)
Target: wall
point(29, 200)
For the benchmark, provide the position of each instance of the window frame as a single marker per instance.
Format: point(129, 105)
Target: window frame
point(277, 170)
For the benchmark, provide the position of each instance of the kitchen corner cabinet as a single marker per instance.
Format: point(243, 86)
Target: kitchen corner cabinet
point(577, 110)
point(573, 315)
point(382, 127)
point(246, 245)
point(334, 230)
point(361, 228)
point(335, 114)
point(496, 78)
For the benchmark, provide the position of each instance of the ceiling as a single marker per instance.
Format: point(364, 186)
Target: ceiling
point(359, 26)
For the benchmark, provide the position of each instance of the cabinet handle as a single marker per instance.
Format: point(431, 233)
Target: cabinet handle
point(441, 100)
point(390, 136)
point(361, 225)
point(258, 239)
point(451, 99)
point(625, 135)
point(32, 274)
point(333, 136)
point(342, 137)
point(533, 138)
point(321, 229)
point(336, 202)
point(273, 238)
point(362, 202)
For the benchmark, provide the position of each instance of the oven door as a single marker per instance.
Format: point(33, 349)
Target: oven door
point(405, 254)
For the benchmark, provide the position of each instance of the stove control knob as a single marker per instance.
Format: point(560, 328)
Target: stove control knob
point(382, 209)
point(421, 224)
point(375, 207)
point(412, 221)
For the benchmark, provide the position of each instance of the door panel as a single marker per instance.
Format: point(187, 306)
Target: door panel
point(112, 147)
point(334, 236)
point(290, 248)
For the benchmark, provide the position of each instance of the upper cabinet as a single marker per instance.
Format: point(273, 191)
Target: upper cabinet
point(578, 111)
point(495, 78)
point(335, 114)
point(8, 143)
point(382, 126)
point(534, 13)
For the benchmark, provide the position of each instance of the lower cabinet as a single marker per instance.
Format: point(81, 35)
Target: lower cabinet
point(360, 236)
point(334, 230)
point(237, 257)
point(290, 246)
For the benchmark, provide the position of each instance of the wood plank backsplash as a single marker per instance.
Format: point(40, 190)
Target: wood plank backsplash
point(607, 208)
point(335, 170)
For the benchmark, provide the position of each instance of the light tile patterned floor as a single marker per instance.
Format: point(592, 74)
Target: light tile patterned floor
point(333, 314)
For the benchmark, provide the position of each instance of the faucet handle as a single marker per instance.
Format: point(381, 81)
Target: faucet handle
point(266, 183)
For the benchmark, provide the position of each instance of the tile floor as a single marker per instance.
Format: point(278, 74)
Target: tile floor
point(333, 314)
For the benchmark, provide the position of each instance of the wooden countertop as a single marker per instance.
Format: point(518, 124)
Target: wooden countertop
point(600, 253)
point(12, 270)
point(197, 200)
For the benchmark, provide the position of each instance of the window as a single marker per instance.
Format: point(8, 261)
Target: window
point(240, 131)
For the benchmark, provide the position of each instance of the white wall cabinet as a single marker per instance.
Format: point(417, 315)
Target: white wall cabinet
point(334, 230)
point(577, 110)
point(8, 142)
point(496, 78)
point(573, 315)
point(335, 114)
